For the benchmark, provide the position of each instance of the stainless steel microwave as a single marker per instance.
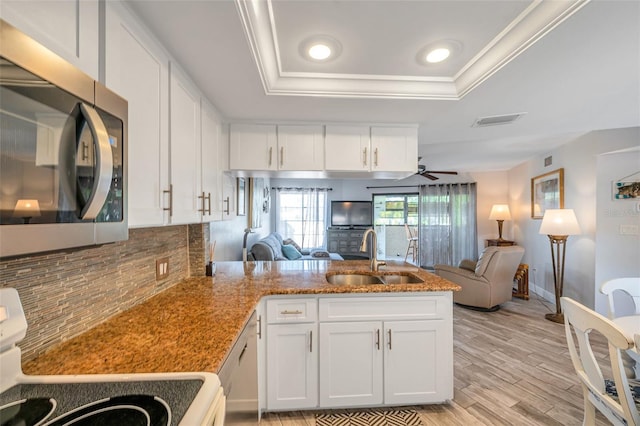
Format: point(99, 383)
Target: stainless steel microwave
point(63, 136)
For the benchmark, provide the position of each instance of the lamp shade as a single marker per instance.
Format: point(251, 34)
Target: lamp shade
point(500, 212)
point(27, 208)
point(559, 222)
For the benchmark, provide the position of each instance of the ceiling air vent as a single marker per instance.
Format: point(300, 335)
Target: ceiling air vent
point(494, 120)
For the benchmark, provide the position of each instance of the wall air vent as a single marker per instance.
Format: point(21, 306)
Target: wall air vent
point(494, 120)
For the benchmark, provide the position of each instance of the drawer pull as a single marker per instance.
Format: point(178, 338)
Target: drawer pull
point(296, 312)
point(389, 332)
point(310, 340)
point(378, 338)
point(259, 326)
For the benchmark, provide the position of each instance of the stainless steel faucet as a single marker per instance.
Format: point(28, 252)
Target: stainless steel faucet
point(375, 263)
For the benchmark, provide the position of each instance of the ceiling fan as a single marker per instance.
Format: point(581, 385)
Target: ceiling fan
point(429, 174)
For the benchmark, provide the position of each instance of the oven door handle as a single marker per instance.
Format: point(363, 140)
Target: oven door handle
point(104, 163)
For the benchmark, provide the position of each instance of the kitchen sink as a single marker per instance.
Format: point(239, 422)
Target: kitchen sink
point(364, 279)
point(406, 278)
point(353, 279)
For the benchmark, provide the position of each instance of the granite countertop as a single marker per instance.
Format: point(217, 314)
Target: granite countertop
point(193, 325)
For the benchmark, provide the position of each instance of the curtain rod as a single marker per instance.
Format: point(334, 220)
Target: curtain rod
point(393, 186)
point(299, 188)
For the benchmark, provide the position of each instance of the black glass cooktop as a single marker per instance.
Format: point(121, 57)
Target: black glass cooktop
point(156, 403)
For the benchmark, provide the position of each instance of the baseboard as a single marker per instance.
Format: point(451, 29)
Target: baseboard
point(546, 295)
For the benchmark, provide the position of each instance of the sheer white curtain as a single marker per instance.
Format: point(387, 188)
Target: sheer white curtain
point(301, 214)
point(447, 226)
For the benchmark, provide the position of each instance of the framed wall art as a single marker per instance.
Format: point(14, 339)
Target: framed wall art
point(547, 192)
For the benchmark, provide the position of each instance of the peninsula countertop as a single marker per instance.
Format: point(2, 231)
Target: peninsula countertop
point(192, 325)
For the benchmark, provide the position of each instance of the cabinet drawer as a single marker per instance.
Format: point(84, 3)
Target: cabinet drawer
point(291, 310)
point(435, 306)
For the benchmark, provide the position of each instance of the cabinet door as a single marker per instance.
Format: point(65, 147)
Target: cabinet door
point(300, 148)
point(184, 146)
point(137, 69)
point(68, 28)
point(211, 128)
point(347, 148)
point(253, 147)
point(351, 364)
point(418, 362)
point(394, 149)
point(292, 366)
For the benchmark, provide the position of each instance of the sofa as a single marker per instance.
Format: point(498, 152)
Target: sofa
point(488, 282)
point(273, 247)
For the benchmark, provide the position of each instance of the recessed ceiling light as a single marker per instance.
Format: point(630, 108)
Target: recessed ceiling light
point(320, 48)
point(438, 51)
point(319, 51)
point(438, 55)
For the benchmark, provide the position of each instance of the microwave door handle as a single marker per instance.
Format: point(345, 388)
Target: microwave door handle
point(104, 163)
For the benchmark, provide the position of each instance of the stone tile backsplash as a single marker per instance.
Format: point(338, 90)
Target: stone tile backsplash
point(67, 292)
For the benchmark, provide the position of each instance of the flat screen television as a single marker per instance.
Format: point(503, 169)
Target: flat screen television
point(351, 213)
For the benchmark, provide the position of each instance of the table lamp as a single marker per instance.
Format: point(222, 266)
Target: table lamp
point(26, 209)
point(500, 212)
point(558, 224)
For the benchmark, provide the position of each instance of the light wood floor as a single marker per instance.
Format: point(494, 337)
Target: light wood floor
point(511, 367)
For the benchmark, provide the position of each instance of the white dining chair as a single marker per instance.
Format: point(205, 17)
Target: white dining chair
point(615, 402)
point(630, 286)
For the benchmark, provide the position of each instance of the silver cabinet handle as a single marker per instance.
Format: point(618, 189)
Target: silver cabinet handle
point(378, 338)
point(281, 156)
point(209, 203)
point(375, 157)
point(310, 340)
point(296, 312)
point(364, 156)
point(270, 155)
point(104, 163)
point(389, 332)
point(259, 326)
point(228, 204)
point(170, 192)
point(203, 198)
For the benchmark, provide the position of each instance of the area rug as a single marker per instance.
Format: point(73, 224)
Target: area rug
point(370, 418)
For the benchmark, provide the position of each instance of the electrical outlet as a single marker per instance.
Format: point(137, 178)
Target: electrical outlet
point(162, 268)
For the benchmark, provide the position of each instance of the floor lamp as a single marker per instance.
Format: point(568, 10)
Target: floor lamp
point(558, 224)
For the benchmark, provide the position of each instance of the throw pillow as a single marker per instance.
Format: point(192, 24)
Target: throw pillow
point(319, 253)
point(293, 243)
point(290, 252)
point(484, 259)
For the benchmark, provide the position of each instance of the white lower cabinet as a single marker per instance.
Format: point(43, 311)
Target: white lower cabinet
point(350, 364)
point(292, 366)
point(372, 350)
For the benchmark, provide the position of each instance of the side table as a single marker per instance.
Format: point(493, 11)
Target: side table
point(500, 243)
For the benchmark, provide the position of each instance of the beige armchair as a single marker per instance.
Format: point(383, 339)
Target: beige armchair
point(488, 282)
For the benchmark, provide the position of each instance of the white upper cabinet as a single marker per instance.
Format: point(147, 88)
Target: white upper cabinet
point(211, 174)
point(67, 27)
point(138, 70)
point(300, 147)
point(253, 147)
point(184, 146)
point(347, 148)
point(394, 149)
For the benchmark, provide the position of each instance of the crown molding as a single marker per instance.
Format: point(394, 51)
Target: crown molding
point(531, 25)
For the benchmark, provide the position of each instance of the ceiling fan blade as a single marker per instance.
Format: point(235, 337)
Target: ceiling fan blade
point(428, 176)
point(441, 172)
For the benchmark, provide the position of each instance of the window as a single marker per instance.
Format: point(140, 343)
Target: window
point(395, 209)
point(301, 215)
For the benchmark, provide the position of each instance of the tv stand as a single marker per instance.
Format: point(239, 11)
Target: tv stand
point(346, 241)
